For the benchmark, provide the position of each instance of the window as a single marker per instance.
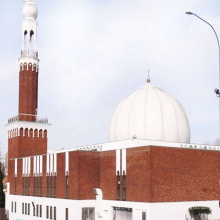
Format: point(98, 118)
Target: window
point(51, 186)
point(23, 185)
point(124, 186)
point(11, 206)
point(28, 208)
point(28, 186)
point(143, 215)
point(67, 187)
point(25, 208)
point(40, 210)
point(118, 186)
point(34, 211)
point(40, 186)
point(22, 208)
point(54, 213)
point(34, 186)
point(88, 213)
point(122, 213)
point(37, 210)
point(67, 214)
point(15, 207)
point(55, 186)
point(51, 212)
point(47, 212)
point(37, 186)
point(48, 183)
point(15, 185)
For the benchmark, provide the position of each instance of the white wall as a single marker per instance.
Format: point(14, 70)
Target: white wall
point(155, 211)
point(74, 206)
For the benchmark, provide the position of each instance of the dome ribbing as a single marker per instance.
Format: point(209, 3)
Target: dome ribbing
point(150, 113)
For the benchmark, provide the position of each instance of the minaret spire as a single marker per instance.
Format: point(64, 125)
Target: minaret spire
point(28, 76)
point(29, 29)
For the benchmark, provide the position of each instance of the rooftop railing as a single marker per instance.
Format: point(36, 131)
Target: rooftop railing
point(28, 117)
point(29, 53)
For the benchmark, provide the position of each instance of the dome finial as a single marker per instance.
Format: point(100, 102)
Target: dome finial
point(148, 78)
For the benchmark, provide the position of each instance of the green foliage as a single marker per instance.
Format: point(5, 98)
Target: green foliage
point(2, 194)
point(196, 212)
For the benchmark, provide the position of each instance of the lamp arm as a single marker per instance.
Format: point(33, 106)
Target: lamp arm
point(212, 29)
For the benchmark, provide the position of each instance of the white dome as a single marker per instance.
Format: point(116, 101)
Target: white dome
point(29, 10)
point(150, 113)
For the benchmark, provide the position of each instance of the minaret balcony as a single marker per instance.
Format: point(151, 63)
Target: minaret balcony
point(29, 53)
point(28, 117)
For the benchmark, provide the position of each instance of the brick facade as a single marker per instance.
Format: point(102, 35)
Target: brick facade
point(154, 174)
point(28, 92)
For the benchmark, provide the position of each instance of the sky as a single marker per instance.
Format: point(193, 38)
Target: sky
point(93, 53)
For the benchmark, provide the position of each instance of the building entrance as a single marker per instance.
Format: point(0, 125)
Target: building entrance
point(121, 213)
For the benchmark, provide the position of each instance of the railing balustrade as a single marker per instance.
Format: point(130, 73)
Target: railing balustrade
point(28, 117)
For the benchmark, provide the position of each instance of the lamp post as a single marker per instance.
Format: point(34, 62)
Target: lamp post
point(217, 92)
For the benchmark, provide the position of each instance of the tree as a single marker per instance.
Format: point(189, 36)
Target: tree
point(2, 194)
point(200, 212)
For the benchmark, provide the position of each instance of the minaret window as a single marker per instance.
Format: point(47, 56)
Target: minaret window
point(31, 43)
point(25, 39)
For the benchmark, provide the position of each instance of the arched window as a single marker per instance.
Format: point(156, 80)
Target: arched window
point(25, 40)
point(31, 47)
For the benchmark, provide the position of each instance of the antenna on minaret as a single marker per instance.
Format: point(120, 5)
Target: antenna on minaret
point(148, 78)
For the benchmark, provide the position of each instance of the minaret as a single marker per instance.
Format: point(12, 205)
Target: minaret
point(28, 77)
point(27, 133)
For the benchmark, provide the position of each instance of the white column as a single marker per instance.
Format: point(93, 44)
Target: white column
point(48, 164)
point(67, 163)
point(41, 165)
point(55, 163)
point(16, 167)
point(124, 161)
point(34, 171)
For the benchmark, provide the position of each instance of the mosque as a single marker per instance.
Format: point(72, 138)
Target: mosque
point(147, 171)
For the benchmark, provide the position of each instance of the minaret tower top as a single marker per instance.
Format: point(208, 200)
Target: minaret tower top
point(29, 29)
point(29, 10)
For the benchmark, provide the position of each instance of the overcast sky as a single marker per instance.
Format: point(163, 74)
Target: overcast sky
point(93, 53)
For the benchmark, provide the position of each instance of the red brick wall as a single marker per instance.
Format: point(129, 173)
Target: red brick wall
point(138, 174)
point(161, 174)
point(88, 174)
point(28, 92)
point(184, 174)
point(30, 146)
point(24, 146)
point(73, 175)
point(61, 175)
point(108, 174)
point(11, 165)
point(19, 178)
point(154, 174)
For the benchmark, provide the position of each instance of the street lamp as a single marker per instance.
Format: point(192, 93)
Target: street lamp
point(217, 92)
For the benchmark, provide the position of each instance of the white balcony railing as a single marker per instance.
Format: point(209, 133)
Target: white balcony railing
point(28, 117)
point(29, 53)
